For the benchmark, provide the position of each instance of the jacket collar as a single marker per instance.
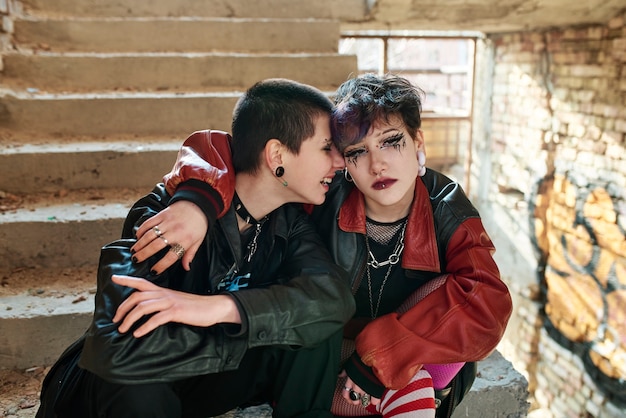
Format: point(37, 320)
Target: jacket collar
point(421, 252)
point(277, 224)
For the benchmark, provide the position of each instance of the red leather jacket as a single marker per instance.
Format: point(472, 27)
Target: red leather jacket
point(461, 321)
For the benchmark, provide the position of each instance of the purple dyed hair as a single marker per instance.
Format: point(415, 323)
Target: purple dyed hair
point(363, 100)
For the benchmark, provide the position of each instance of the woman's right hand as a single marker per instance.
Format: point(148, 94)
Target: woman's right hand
point(182, 223)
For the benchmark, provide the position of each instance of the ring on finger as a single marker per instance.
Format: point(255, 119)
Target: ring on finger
point(178, 249)
point(157, 231)
point(365, 400)
point(354, 396)
point(164, 240)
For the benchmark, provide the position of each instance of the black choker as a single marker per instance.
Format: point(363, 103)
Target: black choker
point(243, 212)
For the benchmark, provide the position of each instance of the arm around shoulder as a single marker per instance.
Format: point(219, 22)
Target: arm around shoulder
point(205, 156)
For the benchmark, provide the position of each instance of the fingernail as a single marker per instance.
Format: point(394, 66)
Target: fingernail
point(134, 259)
point(132, 251)
point(153, 272)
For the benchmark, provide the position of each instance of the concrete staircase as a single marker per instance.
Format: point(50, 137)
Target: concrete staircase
point(96, 98)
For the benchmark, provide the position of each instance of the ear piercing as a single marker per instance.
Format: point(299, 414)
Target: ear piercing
point(421, 160)
point(280, 171)
point(347, 175)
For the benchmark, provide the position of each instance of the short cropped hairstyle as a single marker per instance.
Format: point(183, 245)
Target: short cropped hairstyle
point(274, 108)
point(361, 101)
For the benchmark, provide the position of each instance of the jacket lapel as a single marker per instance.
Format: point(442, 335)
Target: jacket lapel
point(420, 251)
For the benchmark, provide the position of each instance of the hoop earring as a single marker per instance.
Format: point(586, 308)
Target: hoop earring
point(280, 171)
point(347, 175)
point(421, 161)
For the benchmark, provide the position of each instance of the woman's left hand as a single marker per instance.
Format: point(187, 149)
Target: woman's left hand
point(181, 224)
point(363, 399)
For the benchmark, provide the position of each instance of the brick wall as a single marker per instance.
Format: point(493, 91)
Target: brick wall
point(558, 125)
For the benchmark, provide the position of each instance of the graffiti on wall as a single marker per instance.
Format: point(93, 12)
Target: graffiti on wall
point(583, 251)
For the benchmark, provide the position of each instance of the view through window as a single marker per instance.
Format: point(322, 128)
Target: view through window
point(442, 65)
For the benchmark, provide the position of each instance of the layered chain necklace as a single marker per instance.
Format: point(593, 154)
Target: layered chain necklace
point(249, 219)
point(391, 261)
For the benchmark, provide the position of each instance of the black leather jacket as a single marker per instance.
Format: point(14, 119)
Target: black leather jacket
point(296, 297)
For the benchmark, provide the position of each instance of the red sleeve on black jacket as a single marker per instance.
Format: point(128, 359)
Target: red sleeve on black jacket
point(205, 156)
point(461, 321)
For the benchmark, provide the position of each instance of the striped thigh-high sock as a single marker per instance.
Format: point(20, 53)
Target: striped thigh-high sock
point(415, 400)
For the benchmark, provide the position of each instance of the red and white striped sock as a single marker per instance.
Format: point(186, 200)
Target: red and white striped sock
point(415, 400)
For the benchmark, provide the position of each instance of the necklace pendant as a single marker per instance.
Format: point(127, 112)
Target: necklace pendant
point(378, 264)
point(253, 244)
point(374, 264)
point(251, 251)
point(393, 259)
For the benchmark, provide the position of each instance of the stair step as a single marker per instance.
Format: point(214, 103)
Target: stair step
point(178, 34)
point(95, 101)
point(34, 301)
point(63, 229)
point(114, 113)
point(24, 116)
point(347, 9)
point(55, 166)
point(54, 72)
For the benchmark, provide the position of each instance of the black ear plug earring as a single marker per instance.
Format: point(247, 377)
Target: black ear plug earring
point(280, 171)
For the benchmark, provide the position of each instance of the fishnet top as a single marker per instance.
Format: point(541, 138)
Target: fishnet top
point(383, 233)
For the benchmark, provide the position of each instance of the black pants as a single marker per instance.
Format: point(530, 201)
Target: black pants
point(296, 384)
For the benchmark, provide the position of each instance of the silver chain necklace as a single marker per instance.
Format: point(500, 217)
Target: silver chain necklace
point(252, 246)
point(392, 260)
point(249, 219)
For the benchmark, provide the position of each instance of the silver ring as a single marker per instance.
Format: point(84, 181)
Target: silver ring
point(365, 400)
point(178, 250)
point(157, 231)
point(354, 396)
point(164, 240)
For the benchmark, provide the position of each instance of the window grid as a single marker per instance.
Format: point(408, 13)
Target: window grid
point(441, 65)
